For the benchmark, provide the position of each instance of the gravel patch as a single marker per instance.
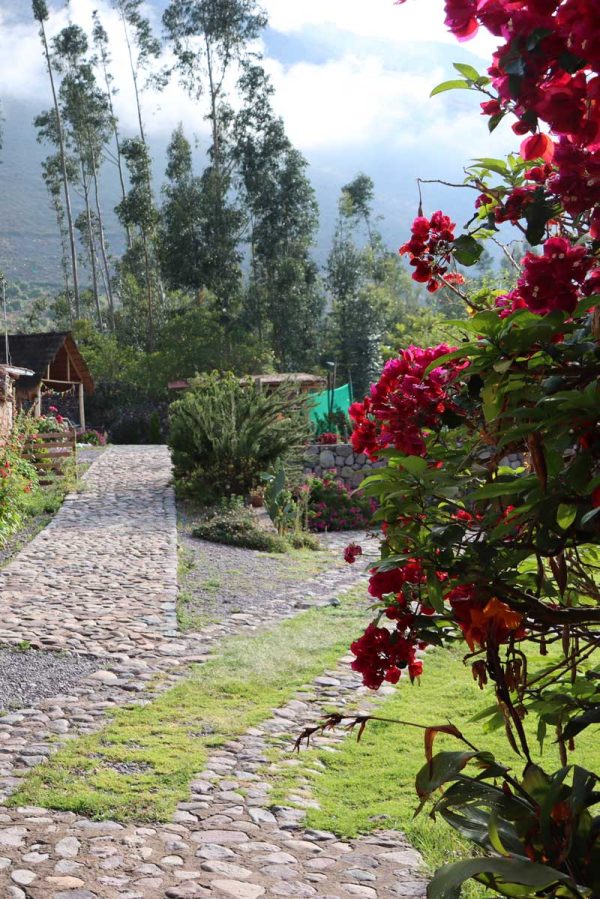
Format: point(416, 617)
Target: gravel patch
point(26, 676)
point(217, 581)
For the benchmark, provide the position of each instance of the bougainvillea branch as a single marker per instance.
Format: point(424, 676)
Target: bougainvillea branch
point(505, 559)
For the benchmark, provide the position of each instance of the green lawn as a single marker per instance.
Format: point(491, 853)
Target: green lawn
point(140, 765)
point(370, 785)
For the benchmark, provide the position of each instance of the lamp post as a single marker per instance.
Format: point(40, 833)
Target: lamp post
point(331, 380)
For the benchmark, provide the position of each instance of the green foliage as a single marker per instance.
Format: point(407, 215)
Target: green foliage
point(225, 433)
point(420, 326)
point(288, 507)
point(17, 479)
point(232, 524)
point(370, 289)
point(520, 825)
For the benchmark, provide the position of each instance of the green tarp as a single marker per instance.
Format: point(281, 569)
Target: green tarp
point(335, 401)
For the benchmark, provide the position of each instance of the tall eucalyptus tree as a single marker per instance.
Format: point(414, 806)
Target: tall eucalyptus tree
point(103, 61)
point(40, 14)
point(142, 48)
point(284, 295)
point(86, 114)
point(213, 40)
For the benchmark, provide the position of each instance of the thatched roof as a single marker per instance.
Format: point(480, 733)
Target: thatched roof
point(37, 352)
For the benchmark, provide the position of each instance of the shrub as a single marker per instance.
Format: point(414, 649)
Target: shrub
point(223, 434)
point(51, 424)
point(328, 438)
point(92, 438)
point(332, 505)
point(233, 525)
point(17, 479)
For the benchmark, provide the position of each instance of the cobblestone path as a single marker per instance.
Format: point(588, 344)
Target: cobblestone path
point(102, 581)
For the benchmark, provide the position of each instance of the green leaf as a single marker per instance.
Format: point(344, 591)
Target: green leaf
point(586, 304)
point(467, 250)
point(504, 488)
point(494, 165)
point(576, 725)
point(468, 71)
point(443, 767)
point(413, 464)
point(566, 515)
point(450, 86)
point(448, 880)
point(494, 834)
point(492, 401)
point(494, 121)
point(590, 515)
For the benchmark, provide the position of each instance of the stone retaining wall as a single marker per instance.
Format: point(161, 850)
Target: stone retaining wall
point(350, 467)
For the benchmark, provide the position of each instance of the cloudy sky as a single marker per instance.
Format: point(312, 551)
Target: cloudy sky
point(347, 72)
point(352, 80)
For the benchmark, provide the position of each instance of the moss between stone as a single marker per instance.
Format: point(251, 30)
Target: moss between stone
point(141, 764)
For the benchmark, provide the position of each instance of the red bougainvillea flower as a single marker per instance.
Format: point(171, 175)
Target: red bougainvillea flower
point(514, 204)
point(429, 249)
point(509, 303)
point(404, 402)
point(596, 498)
point(556, 279)
point(382, 655)
point(538, 146)
point(577, 181)
point(352, 552)
point(464, 516)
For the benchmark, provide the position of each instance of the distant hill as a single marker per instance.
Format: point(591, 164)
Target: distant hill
point(29, 246)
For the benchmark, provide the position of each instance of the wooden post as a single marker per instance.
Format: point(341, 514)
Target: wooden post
point(37, 409)
point(81, 408)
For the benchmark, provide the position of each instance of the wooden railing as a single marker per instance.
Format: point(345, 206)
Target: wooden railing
point(50, 453)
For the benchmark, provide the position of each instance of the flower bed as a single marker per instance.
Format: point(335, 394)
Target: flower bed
point(332, 506)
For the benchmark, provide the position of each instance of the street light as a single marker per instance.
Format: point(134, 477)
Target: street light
point(331, 378)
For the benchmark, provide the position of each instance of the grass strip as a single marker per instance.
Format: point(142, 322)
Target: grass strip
point(369, 785)
point(141, 764)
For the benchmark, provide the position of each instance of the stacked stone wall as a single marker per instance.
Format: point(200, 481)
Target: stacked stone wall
point(350, 467)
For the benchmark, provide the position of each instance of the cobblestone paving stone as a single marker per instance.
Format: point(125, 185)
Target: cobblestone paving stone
point(101, 581)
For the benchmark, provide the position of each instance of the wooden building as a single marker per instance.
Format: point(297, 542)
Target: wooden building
point(8, 401)
point(302, 382)
point(55, 364)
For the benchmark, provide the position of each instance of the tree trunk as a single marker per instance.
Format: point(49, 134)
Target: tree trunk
point(149, 292)
point(92, 248)
point(64, 247)
point(117, 137)
point(213, 111)
point(65, 177)
point(103, 251)
point(135, 79)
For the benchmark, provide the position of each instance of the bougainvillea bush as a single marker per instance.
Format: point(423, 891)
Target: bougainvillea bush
point(505, 562)
point(334, 506)
point(17, 479)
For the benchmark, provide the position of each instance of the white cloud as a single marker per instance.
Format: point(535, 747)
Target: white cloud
point(417, 21)
point(357, 101)
point(349, 100)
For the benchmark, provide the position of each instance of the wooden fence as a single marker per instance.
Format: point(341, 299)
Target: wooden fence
point(51, 453)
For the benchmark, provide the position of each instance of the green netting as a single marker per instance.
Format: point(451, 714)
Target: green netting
point(336, 402)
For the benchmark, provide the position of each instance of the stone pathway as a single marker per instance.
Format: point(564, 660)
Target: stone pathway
point(101, 581)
